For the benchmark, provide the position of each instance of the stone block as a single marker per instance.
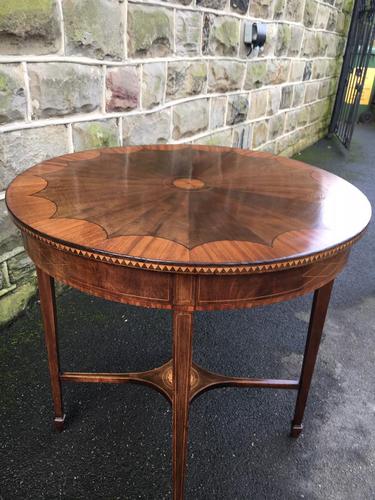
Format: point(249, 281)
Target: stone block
point(14, 303)
point(298, 94)
point(12, 93)
point(323, 89)
point(95, 134)
point(212, 4)
point(340, 47)
point(218, 108)
point(10, 236)
point(315, 112)
point(276, 126)
point(269, 147)
point(239, 6)
point(20, 268)
point(296, 36)
point(319, 68)
point(320, 110)
point(3, 284)
point(338, 4)
point(278, 9)
point(260, 133)
point(297, 70)
point(283, 39)
point(122, 88)
point(311, 6)
point(303, 116)
point(333, 82)
point(310, 45)
point(289, 144)
point(256, 75)
point(261, 8)
point(332, 20)
point(291, 121)
point(190, 118)
point(322, 16)
point(21, 149)
point(282, 144)
point(238, 107)
point(286, 96)
point(188, 32)
point(324, 40)
point(307, 71)
point(94, 29)
point(341, 23)
point(222, 138)
point(268, 50)
point(150, 31)
point(274, 99)
point(153, 84)
point(208, 20)
point(334, 44)
point(182, 2)
point(29, 27)
point(346, 5)
point(277, 71)
point(242, 137)
point(294, 10)
point(224, 76)
point(221, 35)
point(258, 104)
point(59, 89)
point(186, 78)
point(150, 128)
point(311, 92)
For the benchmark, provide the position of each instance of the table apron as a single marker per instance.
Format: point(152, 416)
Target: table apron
point(156, 289)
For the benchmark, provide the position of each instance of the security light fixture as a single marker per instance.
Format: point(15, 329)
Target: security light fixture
point(255, 35)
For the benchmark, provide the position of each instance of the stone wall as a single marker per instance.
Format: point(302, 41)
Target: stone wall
point(81, 74)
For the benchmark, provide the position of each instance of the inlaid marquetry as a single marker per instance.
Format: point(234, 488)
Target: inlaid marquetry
point(191, 209)
point(186, 228)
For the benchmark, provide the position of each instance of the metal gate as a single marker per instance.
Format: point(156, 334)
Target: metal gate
point(353, 72)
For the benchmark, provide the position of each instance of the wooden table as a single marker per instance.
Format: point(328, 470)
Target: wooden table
point(186, 228)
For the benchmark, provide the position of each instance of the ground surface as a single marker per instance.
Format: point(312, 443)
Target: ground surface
point(117, 441)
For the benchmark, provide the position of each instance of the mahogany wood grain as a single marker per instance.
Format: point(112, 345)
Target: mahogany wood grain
point(156, 378)
point(48, 307)
point(161, 379)
point(182, 364)
point(188, 208)
point(186, 228)
point(184, 292)
point(317, 319)
point(157, 289)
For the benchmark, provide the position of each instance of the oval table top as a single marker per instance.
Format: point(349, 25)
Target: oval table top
point(184, 208)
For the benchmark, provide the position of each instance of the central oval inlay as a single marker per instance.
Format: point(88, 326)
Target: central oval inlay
point(168, 377)
point(188, 184)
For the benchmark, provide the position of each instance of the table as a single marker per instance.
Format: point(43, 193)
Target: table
point(186, 228)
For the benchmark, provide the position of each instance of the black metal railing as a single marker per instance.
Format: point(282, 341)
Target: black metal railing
point(353, 73)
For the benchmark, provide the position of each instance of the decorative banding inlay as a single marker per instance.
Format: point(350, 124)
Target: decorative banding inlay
point(198, 268)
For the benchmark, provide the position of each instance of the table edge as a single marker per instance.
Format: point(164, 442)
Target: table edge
point(190, 268)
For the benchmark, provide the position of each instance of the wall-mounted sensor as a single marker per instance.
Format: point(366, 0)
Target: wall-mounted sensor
point(255, 35)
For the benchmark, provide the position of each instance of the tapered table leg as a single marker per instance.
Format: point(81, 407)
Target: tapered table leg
point(317, 319)
point(182, 361)
point(48, 308)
